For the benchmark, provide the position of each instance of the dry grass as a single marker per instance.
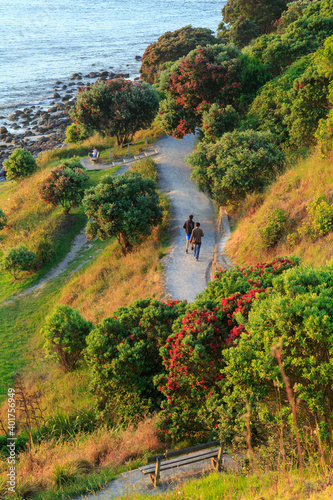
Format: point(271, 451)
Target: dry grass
point(30, 219)
point(114, 280)
point(101, 449)
point(291, 192)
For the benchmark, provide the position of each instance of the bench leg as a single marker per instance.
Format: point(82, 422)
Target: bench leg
point(155, 478)
point(217, 462)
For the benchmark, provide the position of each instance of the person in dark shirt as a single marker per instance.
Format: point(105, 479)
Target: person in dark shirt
point(195, 240)
point(188, 226)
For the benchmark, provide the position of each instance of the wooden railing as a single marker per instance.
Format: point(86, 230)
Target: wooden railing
point(128, 144)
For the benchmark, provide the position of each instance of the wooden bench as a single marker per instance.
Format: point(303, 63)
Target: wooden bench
point(191, 455)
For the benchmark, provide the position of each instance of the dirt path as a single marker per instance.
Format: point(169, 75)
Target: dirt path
point(184, 277)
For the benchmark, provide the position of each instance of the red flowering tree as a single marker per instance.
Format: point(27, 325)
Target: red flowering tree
point(115, 108)
point(170, 47)
point(65, 186)
point(196, 83)
point(193, 382)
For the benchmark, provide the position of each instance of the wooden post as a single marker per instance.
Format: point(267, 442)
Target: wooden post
point(217, 462)
point(111, 155)
point(155, 478)
point(146, 143)
point(128, 148)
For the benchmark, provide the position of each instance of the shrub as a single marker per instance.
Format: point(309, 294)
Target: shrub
point(193, 382)
point(207, 75)
point(17, 259)
point(170, 47)
point(320, 216)
point(65, 333)
point(126, 207)
point(20, 164)
point(146, 167)
point(116, 108)
point(3, 222)
point(217, 121)
point(297, 316)
point(123, 355)
point(237, 164)
point(262, 12)
point(76, 133)
point(271, 233)
point(65, 186)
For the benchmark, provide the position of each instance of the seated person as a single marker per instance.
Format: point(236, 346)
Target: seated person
point(94, 153)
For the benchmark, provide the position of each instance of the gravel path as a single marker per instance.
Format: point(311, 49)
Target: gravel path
point(184, 277)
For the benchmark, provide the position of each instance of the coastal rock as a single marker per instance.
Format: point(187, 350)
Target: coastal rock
point(56, 95)
point(58, 82)
point(3, 130)
point(12, 117)
point(64, 87)
point(65, 98)
point(138, 58)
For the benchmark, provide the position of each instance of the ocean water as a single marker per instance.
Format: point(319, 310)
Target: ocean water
point(42, 41)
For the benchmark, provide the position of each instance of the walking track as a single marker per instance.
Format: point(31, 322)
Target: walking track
point(184, 276)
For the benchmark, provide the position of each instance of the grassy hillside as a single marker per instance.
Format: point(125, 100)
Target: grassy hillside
point(300, 185)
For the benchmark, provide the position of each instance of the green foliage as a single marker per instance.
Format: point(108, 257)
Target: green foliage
point(126, 207)
point(242, 32)
point(262, 12)
point(237, 164)
point(146, 167)
point(324, 134)
point(73, 163)
point(309, 104)
point(272, 105)
point(301, 37)
point(298, 317)
point(217, 121)
point(16, 260)
point(320, 215)
point(170, 47)
point(65, 186)
point(271, 233)
point(65, 333)
point(207, 75)
point(318, 223)
point(116, 108)
point(76, 133)
point(123, 355)
point(20, 164)
point(3, 220)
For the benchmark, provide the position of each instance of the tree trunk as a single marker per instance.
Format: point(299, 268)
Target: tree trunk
point(126, 244)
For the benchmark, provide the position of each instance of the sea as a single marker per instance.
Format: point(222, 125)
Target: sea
point(42, 41)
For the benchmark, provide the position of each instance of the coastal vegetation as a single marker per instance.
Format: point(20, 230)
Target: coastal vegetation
point(250, 360)
point(116, 108)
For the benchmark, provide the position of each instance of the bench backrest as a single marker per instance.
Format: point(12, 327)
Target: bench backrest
point(177, 453)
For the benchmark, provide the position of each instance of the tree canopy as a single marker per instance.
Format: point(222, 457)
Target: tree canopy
point(126, 207)
point(170, 47)
point(115, 108)
point(262, 12)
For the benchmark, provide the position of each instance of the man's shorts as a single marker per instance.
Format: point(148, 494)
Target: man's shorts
point(188, 236)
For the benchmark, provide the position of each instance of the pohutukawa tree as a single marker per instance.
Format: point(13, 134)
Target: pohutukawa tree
point(116, 108)
point(65, 186)
point(126, 207)
point(196, 83)
point(170, 47)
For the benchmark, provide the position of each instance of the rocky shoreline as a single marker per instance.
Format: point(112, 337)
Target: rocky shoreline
point(40, 127)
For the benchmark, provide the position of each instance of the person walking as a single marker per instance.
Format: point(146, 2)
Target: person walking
point(195, 239)
point(188, 226)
